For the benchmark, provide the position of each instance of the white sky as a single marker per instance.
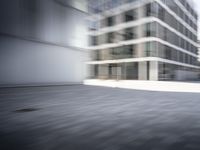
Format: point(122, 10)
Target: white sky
point(197, 7)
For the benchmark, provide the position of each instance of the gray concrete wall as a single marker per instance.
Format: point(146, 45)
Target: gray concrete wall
point(41, 42)
point(25, 62)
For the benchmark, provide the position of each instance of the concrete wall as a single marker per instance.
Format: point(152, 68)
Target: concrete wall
point(29, 63)
point(41, 42)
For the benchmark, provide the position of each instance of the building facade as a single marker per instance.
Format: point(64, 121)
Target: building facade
point(43, 42)
point(143, 40)
point(199, 51)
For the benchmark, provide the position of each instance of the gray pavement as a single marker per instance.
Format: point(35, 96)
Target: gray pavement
point(97, 118)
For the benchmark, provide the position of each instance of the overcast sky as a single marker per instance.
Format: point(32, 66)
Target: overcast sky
point(197, 7)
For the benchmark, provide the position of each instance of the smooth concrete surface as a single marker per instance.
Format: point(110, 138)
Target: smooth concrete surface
point(167, 86)
point(42, 42)
point(28, 63)
point(98, 118)
point(52, 21)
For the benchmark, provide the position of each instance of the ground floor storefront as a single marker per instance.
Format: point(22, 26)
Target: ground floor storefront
point(146, 70)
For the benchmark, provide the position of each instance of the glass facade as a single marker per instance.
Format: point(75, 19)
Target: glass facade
point(122, 52)
point(120, 71)
point(172, 38)
point(98, 6)
point(174, 72)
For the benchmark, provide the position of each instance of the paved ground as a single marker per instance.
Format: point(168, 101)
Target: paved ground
point(98, 118)
point(162, 86)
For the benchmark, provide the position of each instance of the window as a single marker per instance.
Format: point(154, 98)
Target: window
point(93, 25)
point(182, 43)
point(186, 19)
point(168, 52)
point(118, 52)
point(154, 29)
point(148, 29)
point(154, 9)
point(148, 10)
point(110, 37)
point(147, 49)
point(150, 49)
point(165, 34)
point(181, 28)
point(93, 41)
point(181, 57)
point(129, 16)
point(110, 21)
point(128, 51)
point(161, 13)
point(122, 52)
point(128, 33)
point(95, 55)
point(101, 39)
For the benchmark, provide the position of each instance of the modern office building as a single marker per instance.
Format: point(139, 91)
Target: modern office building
point(143, 40)
point(42, 42)
point(199, 51)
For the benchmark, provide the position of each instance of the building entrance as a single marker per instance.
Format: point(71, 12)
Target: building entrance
point(115, 71)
